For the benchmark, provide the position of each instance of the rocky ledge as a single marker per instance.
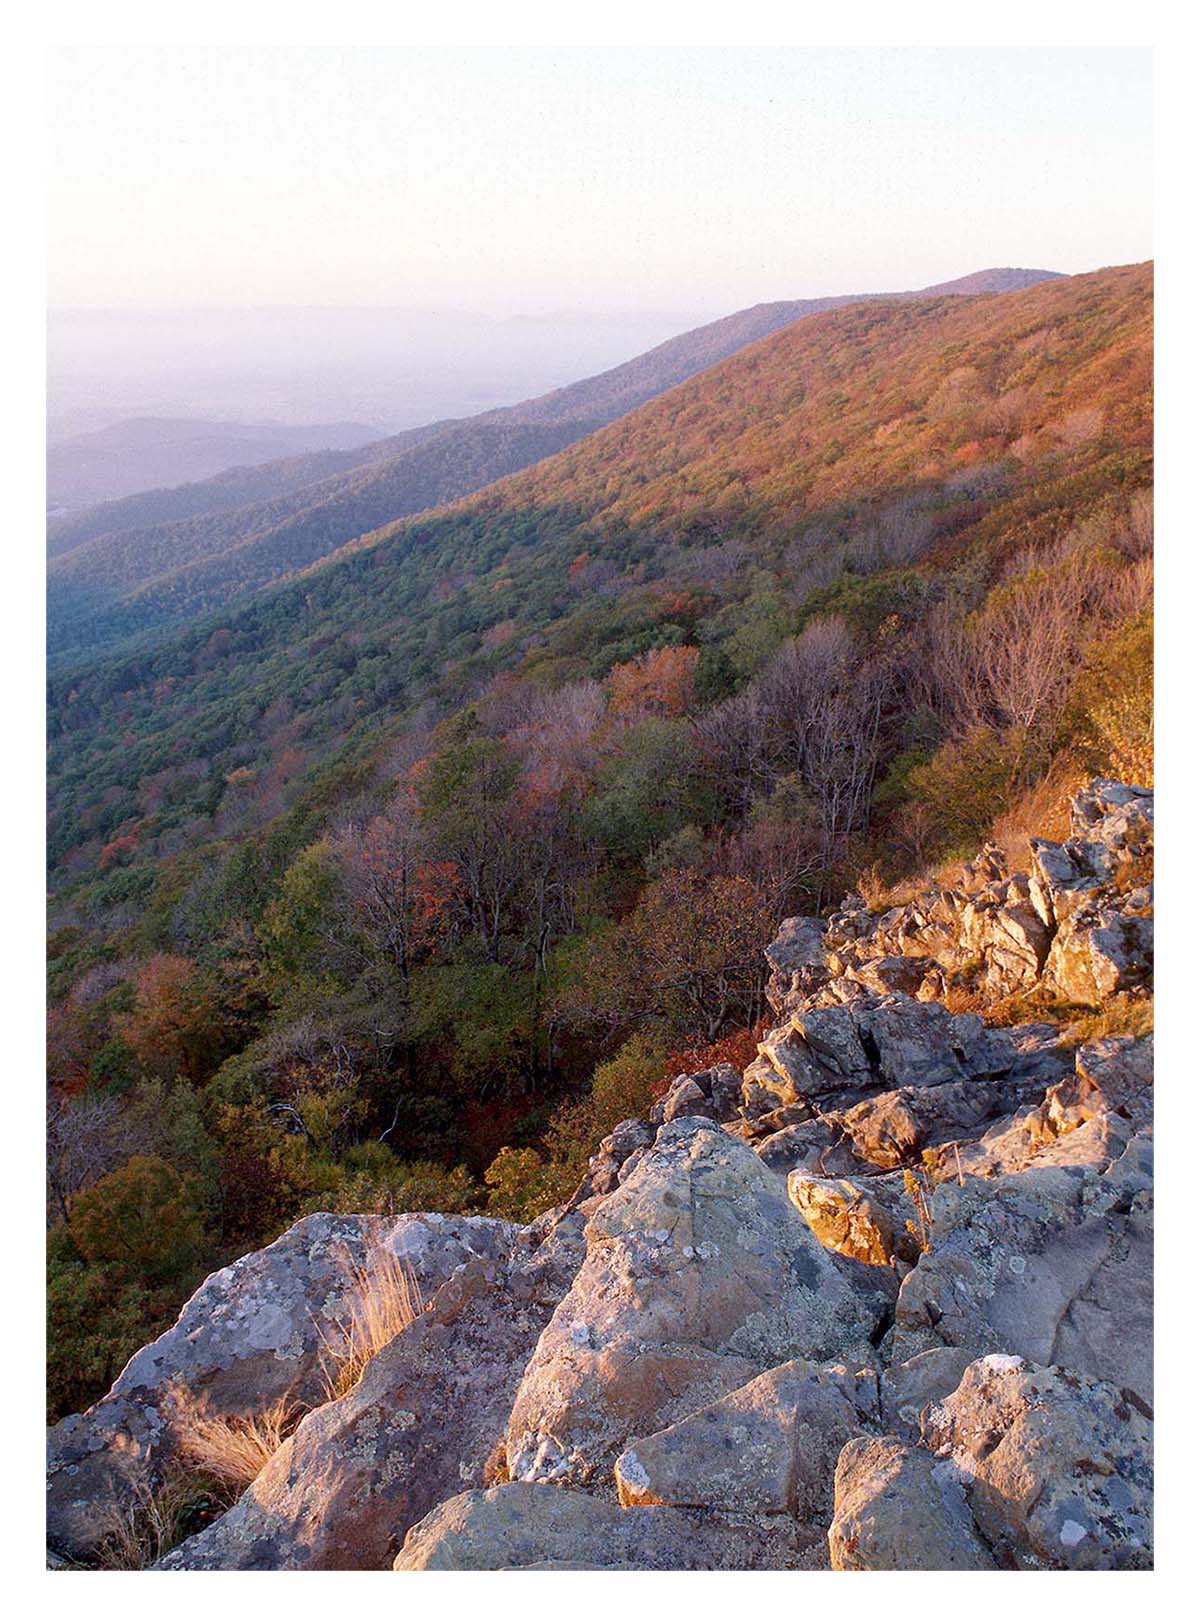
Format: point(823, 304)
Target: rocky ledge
point(883, 1300)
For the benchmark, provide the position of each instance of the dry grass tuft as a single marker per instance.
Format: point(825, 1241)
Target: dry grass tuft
point(232, 1449)
point(153, 1522)
point(1124, 1014)
point(382, 1300)
point(874, 890)
point(1044, 811)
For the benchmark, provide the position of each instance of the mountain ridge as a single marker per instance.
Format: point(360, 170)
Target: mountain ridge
point(213, 559)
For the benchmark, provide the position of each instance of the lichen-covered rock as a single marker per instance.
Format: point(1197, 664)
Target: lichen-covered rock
point(254, 1333)
point(529, 1527)
point(909, 1386)
point(1113, 825)
point(426, 1416)
point(732, 1321)
point(699, 1274)
point(1057, 1466)
point(1098, 952)
point(896, 1508)
point(1011, 937)
point(768, 1448)
point(1054, 1263)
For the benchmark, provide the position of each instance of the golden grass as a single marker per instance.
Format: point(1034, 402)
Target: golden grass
point(1043, 811)
point(382, 1300)
point(1124, 1014)
point(232, 1449)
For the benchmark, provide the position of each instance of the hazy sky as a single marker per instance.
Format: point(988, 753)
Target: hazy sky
point(696, 180)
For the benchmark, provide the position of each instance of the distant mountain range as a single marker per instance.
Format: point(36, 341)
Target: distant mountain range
point(128, 457)
point(170, 555)
point(816, 466)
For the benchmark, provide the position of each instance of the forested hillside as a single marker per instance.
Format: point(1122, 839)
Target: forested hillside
point(137, 564)
point(399, 884)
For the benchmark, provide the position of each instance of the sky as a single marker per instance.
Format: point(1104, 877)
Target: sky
point(605, 180)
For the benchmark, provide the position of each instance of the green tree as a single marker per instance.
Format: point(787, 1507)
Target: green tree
point(140, 1219)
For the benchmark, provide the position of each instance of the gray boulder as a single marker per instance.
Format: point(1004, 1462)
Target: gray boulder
point(254, 1333)
point(897, 1509)
point(524, 1526)
point(699, 1274)
point(1056, 1466)
point(770, 1448)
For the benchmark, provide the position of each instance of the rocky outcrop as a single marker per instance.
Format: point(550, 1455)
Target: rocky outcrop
point(1080, 925)
point(1021, 1466)
point(255, 1332)
point(883, 1300)
point(699, 1274)
point(425, 1418)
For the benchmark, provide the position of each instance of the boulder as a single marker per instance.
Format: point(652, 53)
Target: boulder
point(253, 1334)
point(895, 973)
point(1023, 1140)
point(699, 1274)
point(1013, 940)
point(1054, 1263)
point(1100, 951)
point(716, 1092)
point(894, 1128)
point(896, 1508)
point(426, 1416)
point(614, 1151)
point(1112, 825)
point(1111, 1075)
point(797, 960)
point(524, 1526)
point(1057, 1466)
point(909, 1386)
point(846, 1051)
point(769, 1448)
point(864, 1219)
point(1113, 813)
point(820, 1146)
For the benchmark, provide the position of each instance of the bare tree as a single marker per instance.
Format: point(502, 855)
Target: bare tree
point(82, 1145)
